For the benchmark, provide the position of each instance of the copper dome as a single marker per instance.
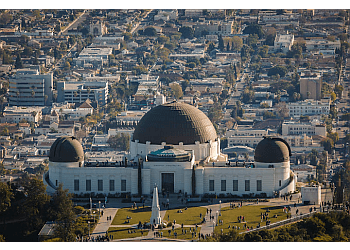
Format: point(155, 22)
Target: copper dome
point(272, 150)
point(66, 149)
point(173, 123)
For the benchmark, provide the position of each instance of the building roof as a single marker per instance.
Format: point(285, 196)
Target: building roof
point(173, 123)
point(169, 154)
point(66, 149)
point(272, 150)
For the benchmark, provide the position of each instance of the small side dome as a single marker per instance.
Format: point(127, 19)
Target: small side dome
point(272, 150)
point(66, 149)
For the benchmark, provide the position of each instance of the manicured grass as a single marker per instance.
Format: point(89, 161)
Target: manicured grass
point(187, 236)
point(122, 232)
point(190, 216)
point(251, 214)
point(140, 214)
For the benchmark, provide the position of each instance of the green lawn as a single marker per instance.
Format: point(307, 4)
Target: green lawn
point(251, 214)
point(187, 217)
point(140, 214)
point(187, 236)
point(122, 232)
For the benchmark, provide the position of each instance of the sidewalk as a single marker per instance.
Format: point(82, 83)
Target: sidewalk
point(103, 225)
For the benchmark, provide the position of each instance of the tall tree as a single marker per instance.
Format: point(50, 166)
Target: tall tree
point(5, 197)
point(186, 32)
point(18, 63)
point(62, 210)
point(221, 45)
point(35, 205)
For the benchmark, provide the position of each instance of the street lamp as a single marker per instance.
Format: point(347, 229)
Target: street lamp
point(89, 228)
point(213, 226)
point(220, 207)
point(99, 209)
point(217, 213)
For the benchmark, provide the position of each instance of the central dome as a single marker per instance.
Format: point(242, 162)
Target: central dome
point(173, 123)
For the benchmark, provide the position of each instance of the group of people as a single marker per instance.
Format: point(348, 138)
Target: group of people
point(98, 238)
point(241, 219)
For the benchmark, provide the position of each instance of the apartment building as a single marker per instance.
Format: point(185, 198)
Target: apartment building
point(310, 87)
point(298, 128)
point(223, 28)
point(16, 114)
point(309, 107)
point(28, 87)
point(79, 92)
point(321, 44)
point(283, 43)
point(252, 141)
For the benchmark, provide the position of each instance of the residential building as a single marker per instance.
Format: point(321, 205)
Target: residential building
point(28, 87)
point(79, 92)
point(16, 114)
point(309, 107)
point(95, 56)
point(321, 44)
point(223, 28)
point(310, 87)
point(300, 128)
point(283, 43)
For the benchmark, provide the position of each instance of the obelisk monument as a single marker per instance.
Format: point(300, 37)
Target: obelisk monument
point(156, 219)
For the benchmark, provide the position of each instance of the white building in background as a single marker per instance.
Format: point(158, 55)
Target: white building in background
point(311, 195)
point(175, 146)
point(283, 43)
point(16, 114)
point(79, 92)
point(28, 87)
point(309, 107)
point(300, 128)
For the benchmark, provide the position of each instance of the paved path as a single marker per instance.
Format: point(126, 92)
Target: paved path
point(103, 225)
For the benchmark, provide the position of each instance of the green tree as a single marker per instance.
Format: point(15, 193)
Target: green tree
point(35, 204)
point(254, 28)
point(328, 144)
point(62, 210)
point(150, 31)
point(177, 90)
point(236, 43)
point(186, 32)
point(5, 197)
point(334, 136)
point(18, 63)
point(277, 70)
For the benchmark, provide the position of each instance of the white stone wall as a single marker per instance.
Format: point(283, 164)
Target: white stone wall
point(273, 179)
point(311, 195)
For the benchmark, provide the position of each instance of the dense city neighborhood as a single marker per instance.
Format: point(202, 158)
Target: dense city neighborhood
point(94, 74)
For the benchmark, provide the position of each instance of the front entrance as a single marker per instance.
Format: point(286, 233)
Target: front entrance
point(168, 182)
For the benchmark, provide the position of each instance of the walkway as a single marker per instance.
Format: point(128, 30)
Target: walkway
point(103, 225)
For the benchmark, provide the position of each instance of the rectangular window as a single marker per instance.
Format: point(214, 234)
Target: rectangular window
point(211, 185)
point(223, 185)
point(258, 185)
point(235, 185)
point(247, 185)
point(123, 185)
point(88, 185)
point(280, 182)
point(100, 185)
point(76, 185)
point(111, 185)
